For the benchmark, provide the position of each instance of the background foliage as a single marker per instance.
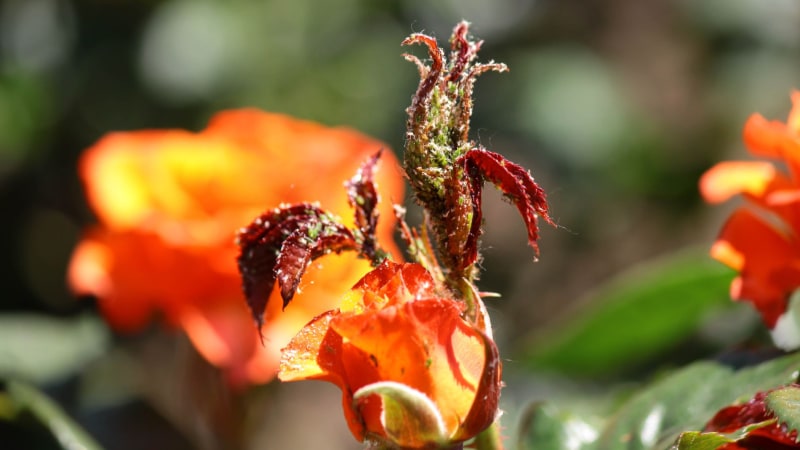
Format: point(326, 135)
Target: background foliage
point(617, 106)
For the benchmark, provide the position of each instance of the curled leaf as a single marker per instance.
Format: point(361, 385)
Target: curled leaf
point(485, 409)
point(279, 245)
point(362, 196)
point(515, 182)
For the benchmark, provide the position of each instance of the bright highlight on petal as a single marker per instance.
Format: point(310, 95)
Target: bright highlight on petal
point(730, 178)
point(725, 253)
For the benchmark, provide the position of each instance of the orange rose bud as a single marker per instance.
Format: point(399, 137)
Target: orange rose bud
point(413, 373)
point(169, 203)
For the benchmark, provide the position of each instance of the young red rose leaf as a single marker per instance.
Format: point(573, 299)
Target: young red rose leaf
point(460, 206)
point(475, 180)
point(462, 51)
point(362, 196)
point(418, 110)
point(514, 181)
point(305, 244)
point(279, 245)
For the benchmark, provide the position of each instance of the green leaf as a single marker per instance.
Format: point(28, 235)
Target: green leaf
point(785, 404)
point(631, 319)
point(661, 413)
point(20, 396)
point(542, 426)
point(687, 399)
point(695, 440)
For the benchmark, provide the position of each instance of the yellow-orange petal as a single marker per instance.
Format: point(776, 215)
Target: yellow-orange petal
point(729, 178)
point(305, 357)
point(423, 344)
point(303, 155)
point(172, 182)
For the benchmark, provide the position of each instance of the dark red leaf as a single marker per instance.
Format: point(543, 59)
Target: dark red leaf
point(475, 192)
point(363, 198)
point(279, 245)
point(514, 181)
point(463, 51)
point(735, 417)
point(418, 110)
point(299, 249)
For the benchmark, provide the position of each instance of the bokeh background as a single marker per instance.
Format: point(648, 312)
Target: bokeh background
point(617, 107)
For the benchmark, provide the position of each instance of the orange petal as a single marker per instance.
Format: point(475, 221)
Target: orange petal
point(764, 257)
point(729, 178)
point(313, 353)
point(759, 243)
point(305, 156)
point(318, 353)
point(90, 273)
point(774, 140)
point(225, 336)
point(444, 358)
point(397, 283)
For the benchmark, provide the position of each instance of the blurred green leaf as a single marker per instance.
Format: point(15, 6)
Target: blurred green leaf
point(642, 312)
point(24, 397)
point(24, 110)
point(544, 427)
point(655, 417)
point(785, 404)
point(44, 349)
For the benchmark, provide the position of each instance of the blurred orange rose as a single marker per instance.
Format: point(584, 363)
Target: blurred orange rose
point(762, 240)
point(169, 203)
point(413, 373)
